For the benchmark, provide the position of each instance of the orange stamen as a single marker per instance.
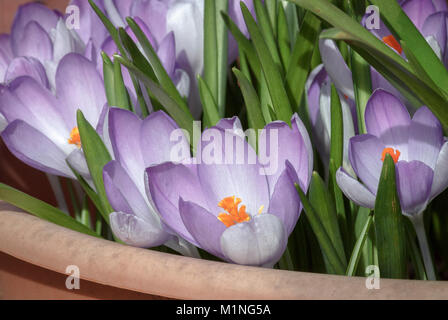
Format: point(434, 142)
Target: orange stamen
point(395, 154)
point(234, 214)
point(75, 138)
point(393, 43)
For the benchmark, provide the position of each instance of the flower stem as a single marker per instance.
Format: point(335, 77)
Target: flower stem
point(56, 186)
point(418, 223)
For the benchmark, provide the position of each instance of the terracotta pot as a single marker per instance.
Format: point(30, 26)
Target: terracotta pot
point(36, 254)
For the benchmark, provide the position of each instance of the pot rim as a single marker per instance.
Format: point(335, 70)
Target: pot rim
point(105, 262)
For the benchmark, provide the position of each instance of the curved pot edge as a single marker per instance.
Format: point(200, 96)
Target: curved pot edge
point(53, 247)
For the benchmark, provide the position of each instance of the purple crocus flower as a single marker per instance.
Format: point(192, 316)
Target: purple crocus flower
point(138, 144)
point(41, 128)
point(417, 146)
point(233, 210)
point(39, 39)
point(419, 150)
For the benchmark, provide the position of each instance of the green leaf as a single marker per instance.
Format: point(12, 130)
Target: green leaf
point(97, 156)
point(184, 119)
point(266, 29)
point(283, 43)
point(243, 44)
point(342, 214)
point(362, 85)
point(108, 75)
point(165, 81)
point(89, 191)
point(215, 51)
point(300, 62)
point(41, 209)
point(210, 48)
point(222, 38)
point(418, 68)
point(367, 255)
point(271, 11)
point(324, 208)
point(121, 93)
point(337, 128)
point(389, 225)
point(325, 242)
point(293, 22)
point(359, 245)
point(251, 100)
point(281, 104)
point(208, 103)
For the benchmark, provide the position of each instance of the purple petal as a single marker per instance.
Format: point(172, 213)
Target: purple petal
point(91, 29)
point(27, 100)
point(354, 190)
point(229, 167)
point(125, 135)
point(154, 14)
point(160, 138)
point(414, 182)
point(418, 11)
point(165, 185)
point(259, 242)
point(34, 42)
point(167, 53)
point(27, 66)
point(79, 86)
point(440, 182)
point(123, 194)
point(6, 55)
point(365, 152)
point(318, 77)
point(35, 149)
point(440, 5)
point(292, 144)
point(388, 119)
point(436, 26)
point(66, 41)
point(124, 7)
point(285, 202)
point(137, 232)
point(336, 67)
point(203, 226)
point(29, 13)
point(379, 82)
point(230, 124)
point(425, 137)
point(77, 161)
point(186, 19)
